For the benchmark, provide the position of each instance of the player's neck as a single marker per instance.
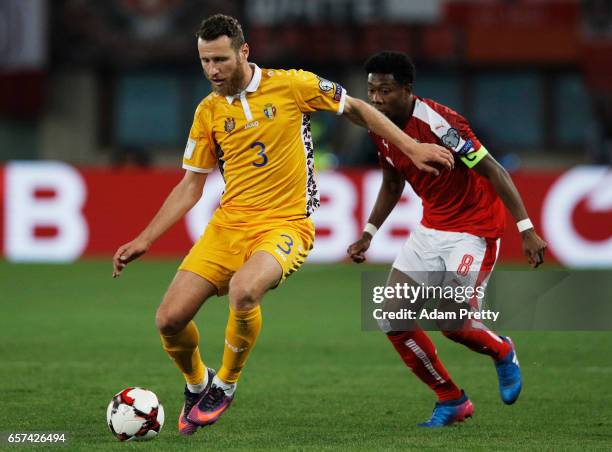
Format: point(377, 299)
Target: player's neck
point(249, 73)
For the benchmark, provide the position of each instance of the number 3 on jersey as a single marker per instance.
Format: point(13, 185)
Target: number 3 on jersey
point(261, 153)
point(288, 243)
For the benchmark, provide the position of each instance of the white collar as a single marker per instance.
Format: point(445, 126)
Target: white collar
point(251, 87)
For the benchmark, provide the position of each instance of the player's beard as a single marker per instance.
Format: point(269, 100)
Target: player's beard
point(233, 84)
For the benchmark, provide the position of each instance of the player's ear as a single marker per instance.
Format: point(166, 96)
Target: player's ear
point(406, 91)
point(244, 51)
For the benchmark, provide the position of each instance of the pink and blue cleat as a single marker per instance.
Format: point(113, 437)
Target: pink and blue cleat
point(450, 412)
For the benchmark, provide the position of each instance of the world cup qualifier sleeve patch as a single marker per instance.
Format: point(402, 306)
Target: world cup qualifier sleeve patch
point(451, 138)
point(327, 87)
point(338, 93)
point(467, 147)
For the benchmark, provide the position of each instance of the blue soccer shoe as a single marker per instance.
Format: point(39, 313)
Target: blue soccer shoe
point(447, 413)
point(509, 375)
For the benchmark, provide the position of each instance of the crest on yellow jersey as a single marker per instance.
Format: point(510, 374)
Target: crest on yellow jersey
point(230, 124)
point(325, 85)
point(269, 111)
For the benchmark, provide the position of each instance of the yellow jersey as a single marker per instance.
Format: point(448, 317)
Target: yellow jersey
point(260, 139)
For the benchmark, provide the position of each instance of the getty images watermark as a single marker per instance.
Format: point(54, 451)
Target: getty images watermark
point(403, 301)
point(537, 300)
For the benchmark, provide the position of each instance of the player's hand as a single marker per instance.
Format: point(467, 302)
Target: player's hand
point(428, 157)
point(127, 253)
point(533, 248)
point(357, 250)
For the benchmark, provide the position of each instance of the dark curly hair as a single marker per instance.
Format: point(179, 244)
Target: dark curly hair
point(221, 25)
point(389, 62)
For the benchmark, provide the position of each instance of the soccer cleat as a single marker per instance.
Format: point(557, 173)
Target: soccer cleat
point(185, 426)
point(509, 375)
point(210, 408)
point(447, 413)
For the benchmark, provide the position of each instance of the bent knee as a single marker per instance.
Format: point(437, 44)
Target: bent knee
point(169, 324)
point(243, 296)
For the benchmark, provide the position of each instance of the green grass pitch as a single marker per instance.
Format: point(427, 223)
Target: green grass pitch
point(70, 337)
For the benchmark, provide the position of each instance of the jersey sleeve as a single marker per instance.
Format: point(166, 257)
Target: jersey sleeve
point(454, 132)
point(313, 93)
point(199, 153)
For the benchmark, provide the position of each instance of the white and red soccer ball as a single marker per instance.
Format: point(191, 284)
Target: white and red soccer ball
point(135, 414)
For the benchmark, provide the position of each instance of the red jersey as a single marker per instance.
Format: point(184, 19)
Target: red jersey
point(458, 200)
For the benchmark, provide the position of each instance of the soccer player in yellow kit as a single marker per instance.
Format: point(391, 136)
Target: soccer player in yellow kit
point(255, 127)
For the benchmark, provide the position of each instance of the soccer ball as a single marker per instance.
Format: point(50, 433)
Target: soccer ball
point(135, 414)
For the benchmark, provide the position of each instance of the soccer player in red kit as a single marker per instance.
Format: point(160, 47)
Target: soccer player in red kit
point(463, 218)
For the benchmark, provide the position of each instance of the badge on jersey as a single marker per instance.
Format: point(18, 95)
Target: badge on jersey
point(269, 111)
point(325, 85)
point(451, 139)
point(230, 124)
point(466, 148)
point(330, 88)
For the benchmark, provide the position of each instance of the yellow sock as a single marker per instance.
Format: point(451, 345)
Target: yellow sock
point(240, 335)
point(183, 349)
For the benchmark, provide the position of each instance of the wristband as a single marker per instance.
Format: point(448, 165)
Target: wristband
point(370, 229)
point(525, 224)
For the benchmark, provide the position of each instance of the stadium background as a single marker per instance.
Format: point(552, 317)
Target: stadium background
point(96, 99)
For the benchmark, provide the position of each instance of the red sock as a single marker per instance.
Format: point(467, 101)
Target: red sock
point(419, 353)
point(476, 336)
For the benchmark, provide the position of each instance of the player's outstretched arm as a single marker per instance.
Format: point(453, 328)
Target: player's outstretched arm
point(533, 246)
point(180, 200)
point(388, 196)
point(423, 155)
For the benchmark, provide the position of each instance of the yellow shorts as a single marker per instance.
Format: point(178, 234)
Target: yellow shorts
point(223, 249)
